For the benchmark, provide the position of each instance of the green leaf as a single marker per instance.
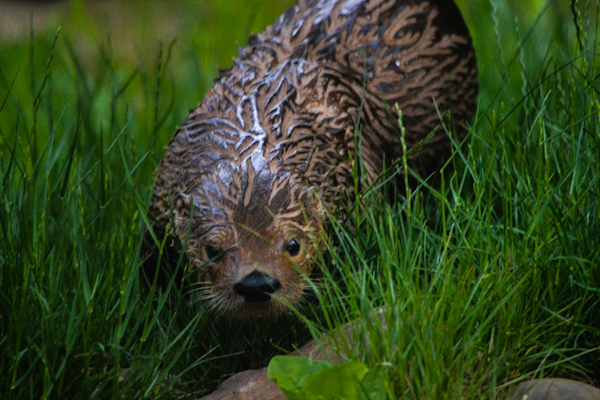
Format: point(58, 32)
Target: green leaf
point(303, 379)
point(373, 386)
point(292, 373)
point(339, 382)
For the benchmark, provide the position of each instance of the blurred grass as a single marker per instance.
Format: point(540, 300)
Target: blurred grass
point(490, 279)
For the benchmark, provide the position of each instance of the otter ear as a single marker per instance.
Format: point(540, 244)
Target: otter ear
point(313, 207)
point(181, 214)
point(188, 215)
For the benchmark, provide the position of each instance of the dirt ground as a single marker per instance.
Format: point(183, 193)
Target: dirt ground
point(119, 19)
point(16, 16)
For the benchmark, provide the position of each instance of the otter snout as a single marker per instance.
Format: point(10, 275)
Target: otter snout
point(257, 286)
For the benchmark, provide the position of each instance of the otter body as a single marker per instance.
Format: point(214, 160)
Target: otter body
point(247, 179)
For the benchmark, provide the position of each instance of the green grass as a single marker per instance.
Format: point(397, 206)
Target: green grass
point(489, 279)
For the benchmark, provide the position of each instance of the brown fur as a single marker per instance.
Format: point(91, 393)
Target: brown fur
point(269, 148)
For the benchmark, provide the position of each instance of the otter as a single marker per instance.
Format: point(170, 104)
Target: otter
point(248, 179)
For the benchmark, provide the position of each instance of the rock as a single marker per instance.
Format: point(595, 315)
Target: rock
point(255, 385)
point(554, 389)
point(247, 385)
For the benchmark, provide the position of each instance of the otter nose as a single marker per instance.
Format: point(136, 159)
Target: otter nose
point(257, 286)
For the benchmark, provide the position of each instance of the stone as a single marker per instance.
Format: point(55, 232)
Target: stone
point(256, 385)
point(247, 385)
point(554, 389)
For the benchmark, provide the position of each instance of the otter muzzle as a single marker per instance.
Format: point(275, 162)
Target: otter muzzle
point(257, 286)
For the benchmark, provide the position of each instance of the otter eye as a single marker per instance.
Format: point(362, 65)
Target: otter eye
point(212, 253)
point(293, 247)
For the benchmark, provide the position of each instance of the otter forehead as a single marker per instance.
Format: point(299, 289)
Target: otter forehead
point(246, 198)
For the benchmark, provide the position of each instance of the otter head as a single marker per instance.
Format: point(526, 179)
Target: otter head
point(249, 235)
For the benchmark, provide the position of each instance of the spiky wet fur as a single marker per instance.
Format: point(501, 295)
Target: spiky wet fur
point(270, 148)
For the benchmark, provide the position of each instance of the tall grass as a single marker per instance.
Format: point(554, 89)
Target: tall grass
point(488, 279)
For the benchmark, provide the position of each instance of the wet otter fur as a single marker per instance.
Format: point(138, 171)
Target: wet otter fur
point(247, 179)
